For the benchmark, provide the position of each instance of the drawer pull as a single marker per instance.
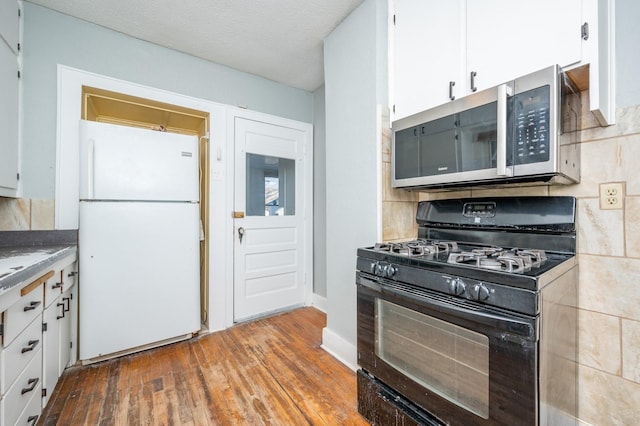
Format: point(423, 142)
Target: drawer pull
point(31, 346)
point(72, 274)
point(66, 300)
point(32, 420)
point(32, 306)
point(56, 285)
point(63, 311)
point(33, 383)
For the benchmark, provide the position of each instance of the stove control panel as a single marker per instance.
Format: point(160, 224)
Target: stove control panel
point(479, 291)
point(473, 290)
point(479, 209)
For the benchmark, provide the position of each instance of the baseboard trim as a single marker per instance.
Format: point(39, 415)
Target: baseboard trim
point(339, 348)
point(319, 302)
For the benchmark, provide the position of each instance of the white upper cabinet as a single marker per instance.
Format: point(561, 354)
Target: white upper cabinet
point(9, 101)
point(429, 53)
point(9, 23)
point(8, 119)
point(507, 39)
point(444, 50)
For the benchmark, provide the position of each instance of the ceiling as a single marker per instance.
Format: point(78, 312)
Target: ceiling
point(281, 40)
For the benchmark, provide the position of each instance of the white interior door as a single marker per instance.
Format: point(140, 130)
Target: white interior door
point(268, 218)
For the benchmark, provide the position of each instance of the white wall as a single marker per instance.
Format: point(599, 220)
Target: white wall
point(355, 83)
point(51, 38)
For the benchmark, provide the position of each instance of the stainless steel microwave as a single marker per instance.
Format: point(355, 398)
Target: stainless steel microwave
point(525, 131)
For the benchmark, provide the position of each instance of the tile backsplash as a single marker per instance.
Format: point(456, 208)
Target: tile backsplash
point(608, 256)
point(23, 214)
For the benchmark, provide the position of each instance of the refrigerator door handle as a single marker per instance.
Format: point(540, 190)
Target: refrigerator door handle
point(91, 156)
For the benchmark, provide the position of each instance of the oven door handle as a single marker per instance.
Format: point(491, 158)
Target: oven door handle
point(504, 324)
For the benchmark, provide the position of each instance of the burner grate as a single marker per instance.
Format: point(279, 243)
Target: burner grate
point(496, 258)
point(418, 247)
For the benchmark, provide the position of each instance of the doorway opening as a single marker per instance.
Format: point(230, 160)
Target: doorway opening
point(117, 108)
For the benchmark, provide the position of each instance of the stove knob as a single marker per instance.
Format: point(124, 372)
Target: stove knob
point(457, 287)
point(379, 270)
point(374, 267)
point(390, 271)
point(479, 292)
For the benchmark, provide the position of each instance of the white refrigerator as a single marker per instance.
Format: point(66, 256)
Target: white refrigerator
point(139, 229)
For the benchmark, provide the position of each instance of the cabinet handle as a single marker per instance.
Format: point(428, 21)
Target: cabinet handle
point(68, 301)
point(56, 285)
point(32, 306)
point(33, 420)
point(451, 84)
point(473, 81)
point(72, 274)
point(33, 383)
point(63, 311)
point(30, 346)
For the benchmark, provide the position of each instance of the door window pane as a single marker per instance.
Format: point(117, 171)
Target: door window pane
point(270, 186)
point(443, 357)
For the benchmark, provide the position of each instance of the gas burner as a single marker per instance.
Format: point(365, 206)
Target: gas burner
point(487, 251)
point(536, 256)
point(496, 258)
point(418, 247)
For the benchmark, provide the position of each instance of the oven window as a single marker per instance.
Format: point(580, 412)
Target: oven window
point(449, 360)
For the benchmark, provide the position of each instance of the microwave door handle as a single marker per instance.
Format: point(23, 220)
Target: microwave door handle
point(504, 91)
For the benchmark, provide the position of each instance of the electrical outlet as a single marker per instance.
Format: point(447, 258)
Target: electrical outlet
point(611, 195)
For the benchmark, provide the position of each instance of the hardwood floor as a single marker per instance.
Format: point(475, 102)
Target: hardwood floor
point(267, 372)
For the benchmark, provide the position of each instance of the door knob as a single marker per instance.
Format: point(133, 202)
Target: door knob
point(240, 234)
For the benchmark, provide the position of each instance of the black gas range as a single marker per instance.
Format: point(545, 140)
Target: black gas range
point(485, 271)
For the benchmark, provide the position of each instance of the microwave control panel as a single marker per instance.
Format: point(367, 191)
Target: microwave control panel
point(530, 112)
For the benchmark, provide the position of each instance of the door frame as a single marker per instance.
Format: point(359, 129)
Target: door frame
point(221, 175)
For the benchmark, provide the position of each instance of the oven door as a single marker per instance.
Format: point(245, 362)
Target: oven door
point(464, 363)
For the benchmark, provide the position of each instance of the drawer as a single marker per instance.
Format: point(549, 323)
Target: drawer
point(17, 355)
point(28, 384)
point(32, 411)
point(53, 288)
point(21, 313)
point(69, 276)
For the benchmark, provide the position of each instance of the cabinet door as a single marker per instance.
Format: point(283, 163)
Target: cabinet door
point(428, 54)
point(51, 346)
point(8, 117)
point(9, 23)
point(507, 39)
point(69, 301)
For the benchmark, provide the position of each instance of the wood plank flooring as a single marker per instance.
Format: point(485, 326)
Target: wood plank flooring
point(270, 371)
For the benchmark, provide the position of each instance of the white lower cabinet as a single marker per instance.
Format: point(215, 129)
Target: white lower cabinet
point(27, 386)
point(67, 326)
point(21, 355)
point(57, 335)
point(38, 342)
point(32, 411)
point(51, 320)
